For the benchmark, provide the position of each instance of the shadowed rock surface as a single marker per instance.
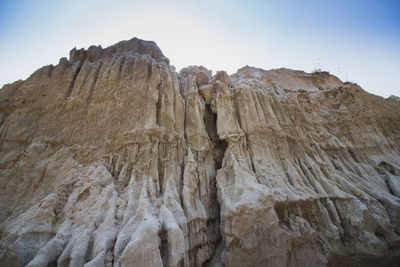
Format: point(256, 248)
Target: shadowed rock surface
point(112, 158)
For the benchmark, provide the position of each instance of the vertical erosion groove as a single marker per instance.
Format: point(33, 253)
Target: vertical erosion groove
point(72, 82)
point(163, 247)
point(218, 151)
point(219, 146)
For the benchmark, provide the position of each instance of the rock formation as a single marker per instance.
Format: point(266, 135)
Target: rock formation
point(112, 158)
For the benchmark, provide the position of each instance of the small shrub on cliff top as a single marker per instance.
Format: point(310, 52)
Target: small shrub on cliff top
point(320, 71)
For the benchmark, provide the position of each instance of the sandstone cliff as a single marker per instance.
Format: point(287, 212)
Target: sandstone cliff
point(112, 158)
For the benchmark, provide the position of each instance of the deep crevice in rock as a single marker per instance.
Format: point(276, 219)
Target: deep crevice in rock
point(72, 82)
point(218, 150)
point(219, 146)
point(163, 247)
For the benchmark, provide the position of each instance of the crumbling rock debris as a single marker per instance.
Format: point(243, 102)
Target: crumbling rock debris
point(112, 158)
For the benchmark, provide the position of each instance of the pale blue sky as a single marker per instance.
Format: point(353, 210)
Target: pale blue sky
point(359, 40)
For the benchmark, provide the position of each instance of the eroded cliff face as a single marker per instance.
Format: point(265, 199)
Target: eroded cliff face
point(112, 158)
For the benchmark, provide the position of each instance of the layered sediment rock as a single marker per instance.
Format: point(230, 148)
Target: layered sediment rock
point(112, 158)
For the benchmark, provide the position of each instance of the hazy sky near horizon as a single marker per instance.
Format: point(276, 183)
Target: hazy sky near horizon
point(356, 40)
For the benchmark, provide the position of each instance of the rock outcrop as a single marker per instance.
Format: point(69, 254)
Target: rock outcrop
point(112, 158)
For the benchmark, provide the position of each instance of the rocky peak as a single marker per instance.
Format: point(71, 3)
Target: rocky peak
point(133, 45)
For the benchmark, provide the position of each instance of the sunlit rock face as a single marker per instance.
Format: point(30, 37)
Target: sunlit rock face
point(112, 158)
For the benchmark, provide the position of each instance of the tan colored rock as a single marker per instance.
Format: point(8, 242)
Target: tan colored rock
point(207, 92)
point(111, 158)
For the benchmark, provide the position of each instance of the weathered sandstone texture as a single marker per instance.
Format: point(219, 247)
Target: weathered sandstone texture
point(112, 158)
